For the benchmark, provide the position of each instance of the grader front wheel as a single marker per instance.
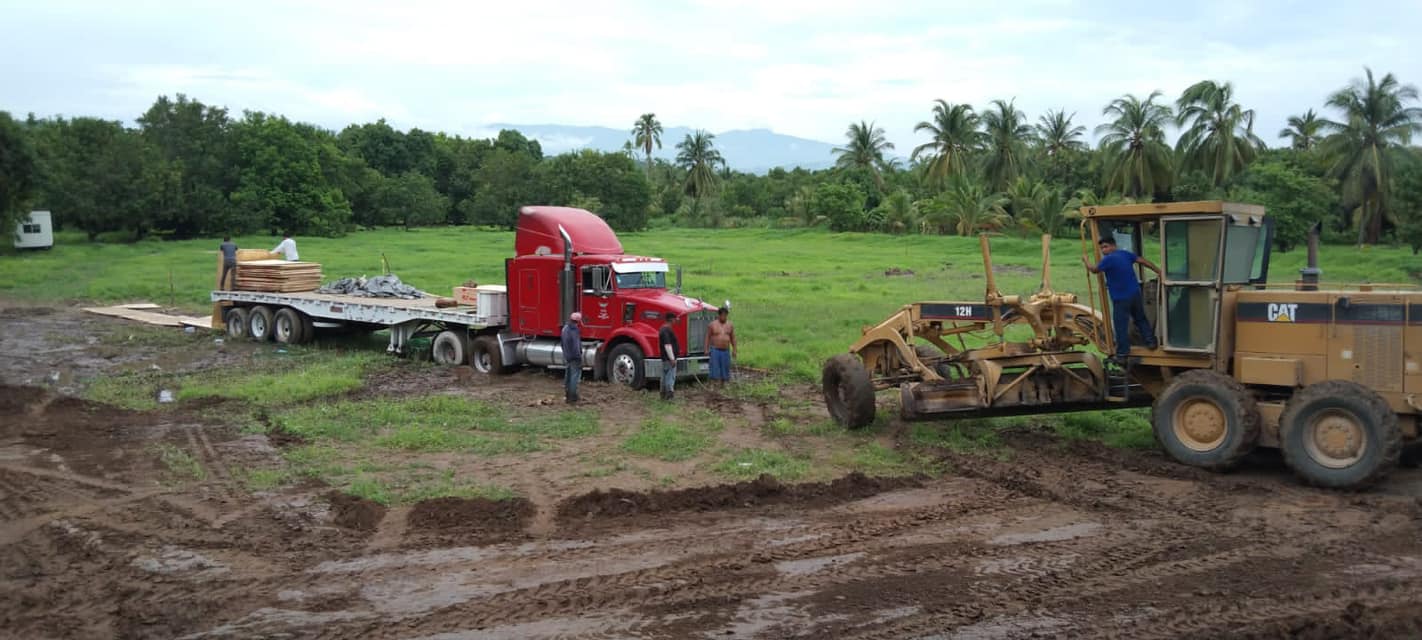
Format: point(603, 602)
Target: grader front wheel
point(849, 391)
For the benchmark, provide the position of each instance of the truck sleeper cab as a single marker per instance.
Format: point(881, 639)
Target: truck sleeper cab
point(569, 260)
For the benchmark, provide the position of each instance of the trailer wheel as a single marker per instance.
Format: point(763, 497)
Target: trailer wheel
point(1206, 419)
point(625, 365)
point(485, 356)
point(287, 328)
point(849, 392)
point(449, 348)
point(236, 321)
point(1339, 434)
point(308, 328)
point(259, 323)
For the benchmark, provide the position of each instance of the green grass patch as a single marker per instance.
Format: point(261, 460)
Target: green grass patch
point(180, 464)
point(800, 295)
point(665, 439)
point(1122, 428)
point(962, 436)
point(132, 391)
point(416, 484)
point(265, 479)
point(875, 459)
point(747, 464)
point(298, 380)
point(436, 423)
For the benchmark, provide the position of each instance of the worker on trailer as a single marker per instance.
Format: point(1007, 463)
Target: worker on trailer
point(287, 248)
point(1125, 292)
point(229, 263)
point(572, 357)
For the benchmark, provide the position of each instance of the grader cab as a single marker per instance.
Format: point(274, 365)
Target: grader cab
point(1333, 378)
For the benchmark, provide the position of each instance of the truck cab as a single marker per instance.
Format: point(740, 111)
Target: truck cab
point(569, 260)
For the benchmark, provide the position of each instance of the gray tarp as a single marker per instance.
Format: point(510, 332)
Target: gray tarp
point(387, 286)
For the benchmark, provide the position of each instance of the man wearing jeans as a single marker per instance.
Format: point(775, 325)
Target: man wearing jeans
point(1125, 292)
point(666, 339)
point(229, 264)
point(572, 357)
point(721, 345)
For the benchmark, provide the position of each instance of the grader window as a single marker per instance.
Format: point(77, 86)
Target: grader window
point(1241, 247)
point(1192, 250)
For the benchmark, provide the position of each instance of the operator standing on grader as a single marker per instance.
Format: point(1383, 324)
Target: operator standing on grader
point(1125, 291)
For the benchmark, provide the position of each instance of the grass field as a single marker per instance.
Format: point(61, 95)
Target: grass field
point(798, 295)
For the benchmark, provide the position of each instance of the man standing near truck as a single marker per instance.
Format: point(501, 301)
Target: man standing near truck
point(229, 263)
point(572, 357)
point(1125, 292)
point(666, 338)
point(721, 344)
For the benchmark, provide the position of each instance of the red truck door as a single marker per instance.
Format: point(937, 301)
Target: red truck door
point(527, 299)
point(597, 301)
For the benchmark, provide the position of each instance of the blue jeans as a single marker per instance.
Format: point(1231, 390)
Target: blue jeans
point(668, 376)
point(1125, 310)
point(720, 364)
point(572, 375)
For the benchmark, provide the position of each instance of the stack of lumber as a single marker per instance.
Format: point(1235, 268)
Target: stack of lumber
point(278, 276)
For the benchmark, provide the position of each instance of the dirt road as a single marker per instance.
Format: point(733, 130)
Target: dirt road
point(1046, 539)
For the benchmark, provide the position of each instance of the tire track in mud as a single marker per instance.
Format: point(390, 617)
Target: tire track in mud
point(729, 574)
point(1216, 618)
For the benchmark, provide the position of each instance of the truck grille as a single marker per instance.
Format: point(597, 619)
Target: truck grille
point(696, 326)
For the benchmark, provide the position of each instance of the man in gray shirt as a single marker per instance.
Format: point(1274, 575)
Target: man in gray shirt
point(229, 263)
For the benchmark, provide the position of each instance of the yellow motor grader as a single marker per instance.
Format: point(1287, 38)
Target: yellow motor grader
point(1332, 377)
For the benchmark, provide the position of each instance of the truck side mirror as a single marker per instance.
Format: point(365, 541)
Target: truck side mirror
point(678, 280)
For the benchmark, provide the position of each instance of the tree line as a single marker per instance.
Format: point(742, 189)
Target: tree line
point(191, 169)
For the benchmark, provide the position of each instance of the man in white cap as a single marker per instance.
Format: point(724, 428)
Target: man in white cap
point(572, 357)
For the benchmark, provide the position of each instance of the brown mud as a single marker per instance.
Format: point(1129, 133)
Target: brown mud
point(1057, 539)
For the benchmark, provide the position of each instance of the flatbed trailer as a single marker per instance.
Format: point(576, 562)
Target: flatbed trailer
point(461, 334)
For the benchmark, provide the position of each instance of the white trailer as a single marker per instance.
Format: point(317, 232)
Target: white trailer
point(35, 231)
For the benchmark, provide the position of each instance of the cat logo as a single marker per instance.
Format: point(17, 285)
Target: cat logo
point(1281, 312)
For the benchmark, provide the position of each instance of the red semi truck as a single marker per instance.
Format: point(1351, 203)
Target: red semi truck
point(565, 260)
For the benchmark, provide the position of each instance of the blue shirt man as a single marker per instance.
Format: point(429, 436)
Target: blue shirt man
point(572, 357)
point(1119, 266)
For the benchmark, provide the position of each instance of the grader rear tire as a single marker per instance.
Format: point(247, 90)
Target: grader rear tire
point(849, 391)
point(1206, 419)
point(1339, 434)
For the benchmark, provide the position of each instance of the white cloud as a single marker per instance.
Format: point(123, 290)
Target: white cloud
point(803, 67)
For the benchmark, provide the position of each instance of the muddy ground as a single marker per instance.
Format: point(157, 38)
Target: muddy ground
point(1050, 539)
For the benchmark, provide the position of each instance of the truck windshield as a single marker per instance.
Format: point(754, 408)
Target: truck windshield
point(642, 280)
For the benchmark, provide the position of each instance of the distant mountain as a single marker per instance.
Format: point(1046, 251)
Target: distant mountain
point(752, 150)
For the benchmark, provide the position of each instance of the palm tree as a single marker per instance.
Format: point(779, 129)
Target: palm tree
point(865, 149)
point(1218, 136)
point(698, 155)
point(1376, 120)
point(966, 208)
point(1137, 156)
point(1303, 131)
point(955, 134)
point(899, 212)
point(1057, 133)
point(1007, 134)
point(647, 131)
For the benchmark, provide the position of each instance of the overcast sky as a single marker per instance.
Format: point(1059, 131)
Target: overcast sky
point(802, 67)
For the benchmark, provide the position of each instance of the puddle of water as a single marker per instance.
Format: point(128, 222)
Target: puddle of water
point(807, 566)
point(1054, 534)
point(761, 614)
point(545, 628)
point(431, 557)
point(1003, 628)
point(176, 560)
point(261, 622)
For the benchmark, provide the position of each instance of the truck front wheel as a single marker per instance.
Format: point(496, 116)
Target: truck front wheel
point(625, 366)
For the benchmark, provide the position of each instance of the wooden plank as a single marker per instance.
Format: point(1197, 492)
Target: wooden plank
point(141, 305)
point(147, 317)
